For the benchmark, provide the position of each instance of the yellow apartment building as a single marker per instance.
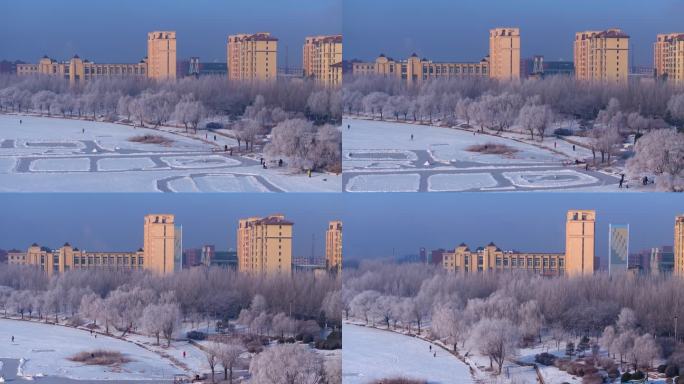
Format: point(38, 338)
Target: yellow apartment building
point(415, 70)
point(679, 246)
point(492, 258)
point(252, 57)
point(504, 53)
point(161, 55)
point(602, 56)
point(76, 70)
point(160, 63)
point(577, 259)
point(321, 58)
point(668, 57)
point(333, 246)
point(264, 245)
point(161, 253)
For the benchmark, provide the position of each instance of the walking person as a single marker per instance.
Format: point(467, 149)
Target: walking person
point(19, 121)
point(573, 147)
point(622, 180)
point(412, 136)
point(13, 339)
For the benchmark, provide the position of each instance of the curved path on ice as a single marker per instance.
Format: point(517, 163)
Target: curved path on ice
point(45, 154)
point(371, 354)
point(438, 158)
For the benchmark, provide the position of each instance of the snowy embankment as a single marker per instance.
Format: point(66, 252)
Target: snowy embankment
point(371, 354)
point(45, 350)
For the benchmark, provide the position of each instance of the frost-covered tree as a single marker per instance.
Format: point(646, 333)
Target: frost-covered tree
point(535, 119)
point(228, 355)
point(189, 112)
point(287, 364)
point(495, 338)
point(660, 152)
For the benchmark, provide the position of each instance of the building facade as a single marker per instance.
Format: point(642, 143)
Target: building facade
point(252, 57)
point(161, 253)
point(618, 248)
point(580, 242)
point(161, 55)
point(333, 246)
point(602, 56)
point(321, 58)
point(577, 259)
point(264, 245)
point(415, 70)
point(662, 260)
point(504, 53)
point(679, 246)
point(492, 258)
point(668, 57)
point(77, 70)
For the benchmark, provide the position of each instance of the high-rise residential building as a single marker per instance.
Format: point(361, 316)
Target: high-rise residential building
point(333, 246)
point(618, 248)
point(320, 54)
point(252, 57)
point(668, 57)
point(602, 56)
point(162, 244)
point(415, 70)
point(580, 242)
point(77, 70)
point(264, 245)
point(161, 55)
point(504, 53)
point(679, 246)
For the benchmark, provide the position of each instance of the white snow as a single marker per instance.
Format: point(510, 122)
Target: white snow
point(45, 349)
point(384, 183)
point(124, 164)
point(460, 182)
point(549, 179)
point(372, 354)
point(211, 161)
point(73, 164)
point(218, 183)
point(445, 144)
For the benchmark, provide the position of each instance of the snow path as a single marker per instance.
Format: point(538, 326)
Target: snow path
point(370, 354)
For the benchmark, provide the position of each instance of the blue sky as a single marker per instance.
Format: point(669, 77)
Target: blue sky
point(457, 30)
point(116, 31)
point(375, 225)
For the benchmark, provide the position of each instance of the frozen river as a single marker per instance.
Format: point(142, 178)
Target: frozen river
point(371, 354)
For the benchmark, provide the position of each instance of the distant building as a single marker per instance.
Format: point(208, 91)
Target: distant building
point(9, 66)
point(252, 57)
point(504, 53)
point(668, 57)
point(208, 254)
point(161, 55)
point(321, 56)
point(161, 253)
point(437, 255)
point(77, 70)
point(194, 67)
point(415, 70)
point(16, 257)
point(602, 56)
point(264, 245)
point(538, 67)
point(225, 259)
point(333, 246)
point(192, 257)
point(662, 260)
point(618, 248)
point(578, 258)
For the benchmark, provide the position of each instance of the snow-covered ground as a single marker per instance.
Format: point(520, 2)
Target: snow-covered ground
point(45, 154)
point(374, 152)
point(45, 349)
point(370, 354)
